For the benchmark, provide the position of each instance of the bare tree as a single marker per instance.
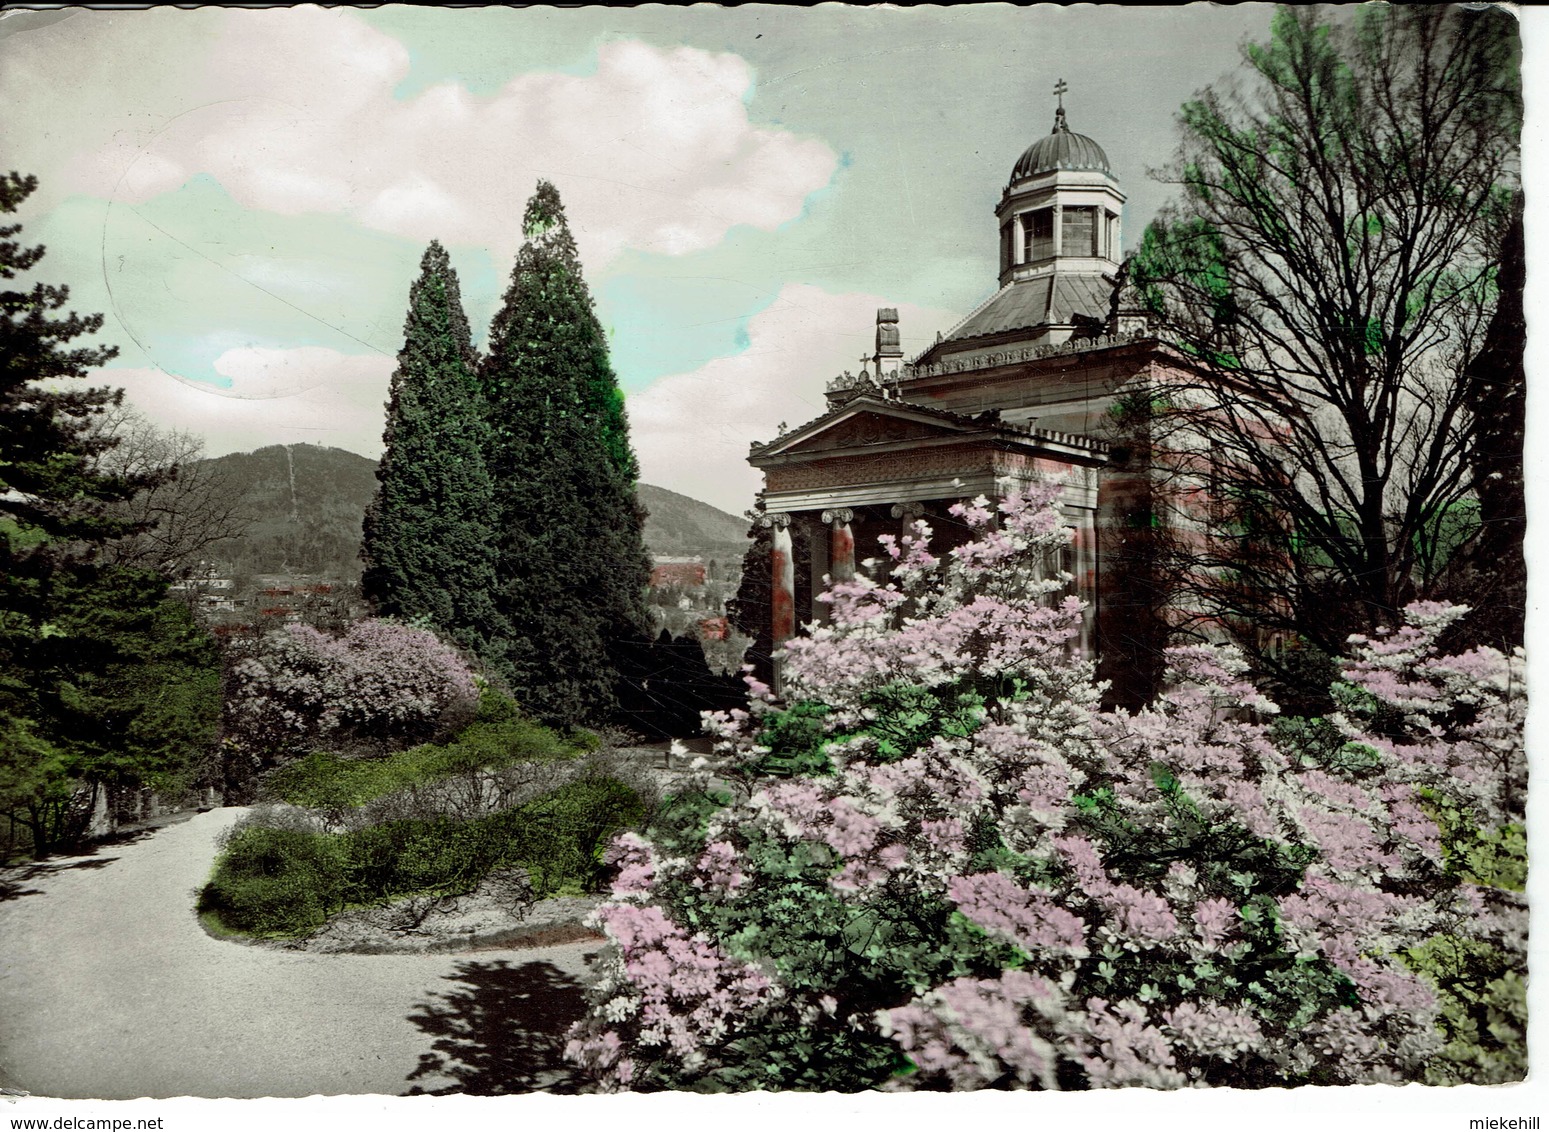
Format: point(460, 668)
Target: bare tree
point(188, 512)
point(1327, 279)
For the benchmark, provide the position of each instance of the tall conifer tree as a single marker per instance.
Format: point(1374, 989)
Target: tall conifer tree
point(571, 568)
point(103, 683)
point(428, 540)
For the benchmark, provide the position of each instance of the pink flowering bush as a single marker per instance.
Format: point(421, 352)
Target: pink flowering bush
point(381, 682)
point(943, 866)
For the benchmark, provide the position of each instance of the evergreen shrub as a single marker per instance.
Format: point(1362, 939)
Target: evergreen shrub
point(275, 881)
point(324, 780)
point(286, 881)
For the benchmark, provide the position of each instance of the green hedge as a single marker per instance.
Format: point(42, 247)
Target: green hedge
point(323, 780)
point(276, 881)
point(284, 882)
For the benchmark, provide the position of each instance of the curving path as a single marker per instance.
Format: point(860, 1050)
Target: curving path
point(110, 988)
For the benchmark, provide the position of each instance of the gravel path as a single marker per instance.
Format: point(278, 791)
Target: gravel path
point(110, 988)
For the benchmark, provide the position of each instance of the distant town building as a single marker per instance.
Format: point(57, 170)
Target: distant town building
point(677, 572)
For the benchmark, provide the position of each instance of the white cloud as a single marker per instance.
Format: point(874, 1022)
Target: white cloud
point(309, 395)
point(692, 430)
point(292, 111)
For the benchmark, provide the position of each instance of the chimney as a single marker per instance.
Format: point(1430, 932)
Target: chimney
point(890, 354)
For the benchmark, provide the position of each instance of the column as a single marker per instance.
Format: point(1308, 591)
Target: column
point(819, 568)
point(841, 543)
point(908, 513)
point(782, 578)
point(1086, 580)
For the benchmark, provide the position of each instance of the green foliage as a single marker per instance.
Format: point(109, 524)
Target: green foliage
point(428, 539)
point(796, 739)
point(323, 780)
point(1319, 742)
point(48, 480)
point(1450, 530)
point(21, 537)
point(790, 919)
point(287, 881)
point(101, 682)
point(909, 717)
point(1188, 254)
point(119, 687)
point(571, 568)
point(1495, 857)
point(1484, 1011)
point(906, 718)
point(682, 819)
point(34, 773)
point(275, 881)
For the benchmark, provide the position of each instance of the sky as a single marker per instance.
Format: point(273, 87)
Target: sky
point(246, 194)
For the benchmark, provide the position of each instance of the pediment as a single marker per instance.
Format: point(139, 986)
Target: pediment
point(867, 427)
point(871, 425)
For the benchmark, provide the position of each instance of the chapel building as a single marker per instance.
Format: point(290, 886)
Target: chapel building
point(1023, 388)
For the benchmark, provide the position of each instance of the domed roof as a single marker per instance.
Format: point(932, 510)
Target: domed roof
point(1061, 149)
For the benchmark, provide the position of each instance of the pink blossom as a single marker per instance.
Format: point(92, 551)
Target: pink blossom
point(986, 613)
point(1031, 920)
point(636, 863)
point(1216, 920)
point(1410, 822)
point(1340, 916)
point(978, 1031)
point(1143, 917)
point(1387, 988)
point(721, 866)
point(1213, 1030)
point(802, 805)
point(1250, 808)
point(850, 832)
point(1123, 1048)
point(944, 836)
point(379, 680)
point(1334, 790)
point(1348, 842)
point(857, 875)
point(1085, 862)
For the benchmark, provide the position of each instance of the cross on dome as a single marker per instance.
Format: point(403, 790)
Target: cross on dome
point(1061, 148)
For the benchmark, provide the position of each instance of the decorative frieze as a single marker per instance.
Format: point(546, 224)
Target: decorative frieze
point(880, 468)
point(1020, 354)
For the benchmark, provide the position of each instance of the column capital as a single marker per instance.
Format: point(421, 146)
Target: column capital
point(779, 520)
point(912, 510)
point(839, 515)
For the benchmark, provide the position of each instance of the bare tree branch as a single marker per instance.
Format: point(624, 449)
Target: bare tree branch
point(187, 514)
point(1327, 279)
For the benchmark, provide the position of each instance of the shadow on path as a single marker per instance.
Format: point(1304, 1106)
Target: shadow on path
point(13, 880)
point(502, 1030)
